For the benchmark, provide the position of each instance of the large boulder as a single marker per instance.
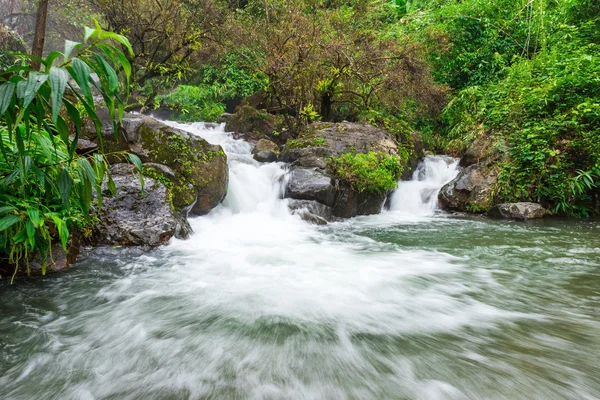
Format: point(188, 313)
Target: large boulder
point(311, 179)
point(321, 140)
point(200, 169)
point(470, 191)
point(518, 211)
point(136, 217)
point(265, 151)
point(316, 185)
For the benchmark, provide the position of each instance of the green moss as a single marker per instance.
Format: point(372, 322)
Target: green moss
point(371, 172)
point(307, 142)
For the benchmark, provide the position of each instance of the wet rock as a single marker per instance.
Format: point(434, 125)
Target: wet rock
point(265, 151)
point(200, 168)
point(349, 203)
point(311, 211)
point(250, 119)
point(517, 211)
point(57, 260)
point(310, 184)
point(322, 140)
point(85, 146)
point(134, 217)
point(470, 191)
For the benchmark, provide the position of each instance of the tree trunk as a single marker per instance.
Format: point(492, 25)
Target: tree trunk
point(37, 49)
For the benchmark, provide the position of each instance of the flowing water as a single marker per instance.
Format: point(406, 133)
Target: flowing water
point(407, 304)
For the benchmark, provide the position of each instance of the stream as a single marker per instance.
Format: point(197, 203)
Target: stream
point(408, 304)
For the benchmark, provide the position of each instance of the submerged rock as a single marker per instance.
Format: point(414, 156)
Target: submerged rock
point(265, 151)
point(518, 211)
point(137, 218)
point(311, 211)
point(470, 191)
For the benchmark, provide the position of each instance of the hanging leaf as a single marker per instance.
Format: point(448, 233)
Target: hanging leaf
point(65, 184)
point(69, 46)
point(58, 82)
point(8, 221)
point(80, 71)
point(6, 93)
point(26, 90)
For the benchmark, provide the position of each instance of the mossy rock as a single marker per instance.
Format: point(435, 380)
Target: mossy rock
point(200, 172)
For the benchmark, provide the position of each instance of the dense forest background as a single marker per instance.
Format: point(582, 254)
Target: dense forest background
point(519, 78)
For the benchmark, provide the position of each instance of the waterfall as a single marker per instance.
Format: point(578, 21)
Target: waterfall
point(419, 195)
point(253, 187)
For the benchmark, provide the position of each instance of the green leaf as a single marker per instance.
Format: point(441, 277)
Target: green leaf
point(109, 72)
point(34, 216)
point(6, 93)
point(26, 90)
point(58, 82)
point(8, 221)
point(69, 46)
point(6, 209)
point(81, 73)
point(112, 187)
point(135, 160)
point(30, 233)
point(50, 59)
point(88, 33)
point(65, 184)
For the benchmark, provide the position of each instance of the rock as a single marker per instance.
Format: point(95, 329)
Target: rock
point(57, 261)
point(518, 211)
point(470, 191)
point(250, 119)
point(200, 168)
point(136, 218)
point(311, 211)
point(310, 179)
point(349, 203)
point(85, 146)
point(265, 151)
point(310, 184)
point(322, 140)
point(224, 118)
point(482, 151)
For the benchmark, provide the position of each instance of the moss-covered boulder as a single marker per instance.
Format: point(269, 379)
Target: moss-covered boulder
point(348, 167)
point(199, 178)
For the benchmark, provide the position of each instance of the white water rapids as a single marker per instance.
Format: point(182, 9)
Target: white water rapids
point(259, 304)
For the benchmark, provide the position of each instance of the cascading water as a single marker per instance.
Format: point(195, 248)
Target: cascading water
point(419, 195)
point(258, 304)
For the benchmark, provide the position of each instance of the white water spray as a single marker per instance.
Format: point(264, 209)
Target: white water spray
point(419, 195)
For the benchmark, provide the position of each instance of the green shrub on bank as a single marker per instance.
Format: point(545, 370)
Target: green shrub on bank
point(371, 172)
point(46, 188)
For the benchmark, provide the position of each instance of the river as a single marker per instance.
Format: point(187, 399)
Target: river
point(257, 304)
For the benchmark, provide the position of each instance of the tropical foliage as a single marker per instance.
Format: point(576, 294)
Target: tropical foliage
point(48, 190)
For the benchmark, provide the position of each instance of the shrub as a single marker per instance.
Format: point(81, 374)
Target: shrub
point(371, 172)
point(46, 188)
